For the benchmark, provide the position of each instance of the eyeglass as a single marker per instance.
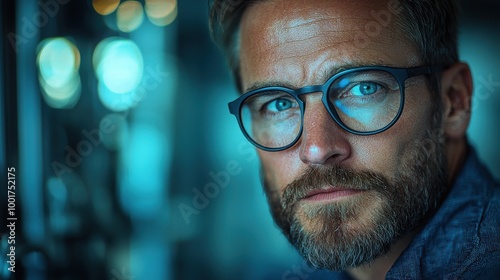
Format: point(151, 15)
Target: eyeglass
point(363, 101)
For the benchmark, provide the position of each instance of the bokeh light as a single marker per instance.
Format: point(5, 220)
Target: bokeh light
point(105, 7)
point(142, 191)
point(161, 12)
point(58, 64)
point(119, 64)
point(119, 67)
point(114, 101)
point(129, 16)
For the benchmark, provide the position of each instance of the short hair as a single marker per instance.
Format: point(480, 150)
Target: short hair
point(431, 25)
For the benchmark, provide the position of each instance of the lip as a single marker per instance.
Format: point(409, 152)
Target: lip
point(329, 194)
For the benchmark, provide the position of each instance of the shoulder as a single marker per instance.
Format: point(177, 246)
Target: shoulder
point(462, 239)
point(477, 219)
point(483, 261)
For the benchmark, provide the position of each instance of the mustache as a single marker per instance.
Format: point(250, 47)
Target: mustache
point(315, 178)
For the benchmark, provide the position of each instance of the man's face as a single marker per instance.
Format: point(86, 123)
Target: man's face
point(341, 199)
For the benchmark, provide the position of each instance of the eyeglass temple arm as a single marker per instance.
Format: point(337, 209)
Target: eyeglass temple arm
point(423, 70)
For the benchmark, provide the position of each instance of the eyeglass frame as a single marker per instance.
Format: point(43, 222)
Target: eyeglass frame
point(400, 74)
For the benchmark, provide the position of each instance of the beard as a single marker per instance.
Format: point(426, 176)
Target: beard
point(355, 231)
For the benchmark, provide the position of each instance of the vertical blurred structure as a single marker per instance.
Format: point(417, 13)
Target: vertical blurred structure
point(8, 126)
point(114, 114)
point(88, 91)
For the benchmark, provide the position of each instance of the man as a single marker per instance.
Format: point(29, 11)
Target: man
point(359, 111)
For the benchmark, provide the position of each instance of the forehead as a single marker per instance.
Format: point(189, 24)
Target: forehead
point(295, 32)
point(276, 18)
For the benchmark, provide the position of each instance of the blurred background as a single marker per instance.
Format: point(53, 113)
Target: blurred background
point(127, 162)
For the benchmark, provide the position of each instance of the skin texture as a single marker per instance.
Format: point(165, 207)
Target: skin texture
point(295, 43)
point(271, 53)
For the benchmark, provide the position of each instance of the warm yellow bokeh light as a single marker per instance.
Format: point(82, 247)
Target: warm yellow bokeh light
point(58, 63)
point(105, 7)
point(58, 60)
point(65, 96)
point(129, 16)
point(161, 12)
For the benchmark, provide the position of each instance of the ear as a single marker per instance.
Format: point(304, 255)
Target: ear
point(456, 94)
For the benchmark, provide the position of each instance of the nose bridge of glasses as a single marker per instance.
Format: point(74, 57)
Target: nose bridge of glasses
point(309, 89)
point(321, 133)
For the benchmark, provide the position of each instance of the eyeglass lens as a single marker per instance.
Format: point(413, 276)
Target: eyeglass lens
point(363, 101)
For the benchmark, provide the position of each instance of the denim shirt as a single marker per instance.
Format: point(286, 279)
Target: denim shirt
point(461, 240)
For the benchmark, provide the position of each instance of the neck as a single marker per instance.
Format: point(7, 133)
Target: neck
point(379, 267)
point(456, 152)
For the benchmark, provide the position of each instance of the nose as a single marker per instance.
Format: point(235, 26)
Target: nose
point(323, 141)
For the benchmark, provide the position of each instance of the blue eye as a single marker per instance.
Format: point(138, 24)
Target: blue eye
point(281, 104)
point(365, 88)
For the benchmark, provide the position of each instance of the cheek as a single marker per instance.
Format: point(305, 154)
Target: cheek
point(280, 168)
point(386, 152)
point(382, 153)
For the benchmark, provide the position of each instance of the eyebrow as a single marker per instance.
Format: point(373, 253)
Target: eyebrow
point(325, 75)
